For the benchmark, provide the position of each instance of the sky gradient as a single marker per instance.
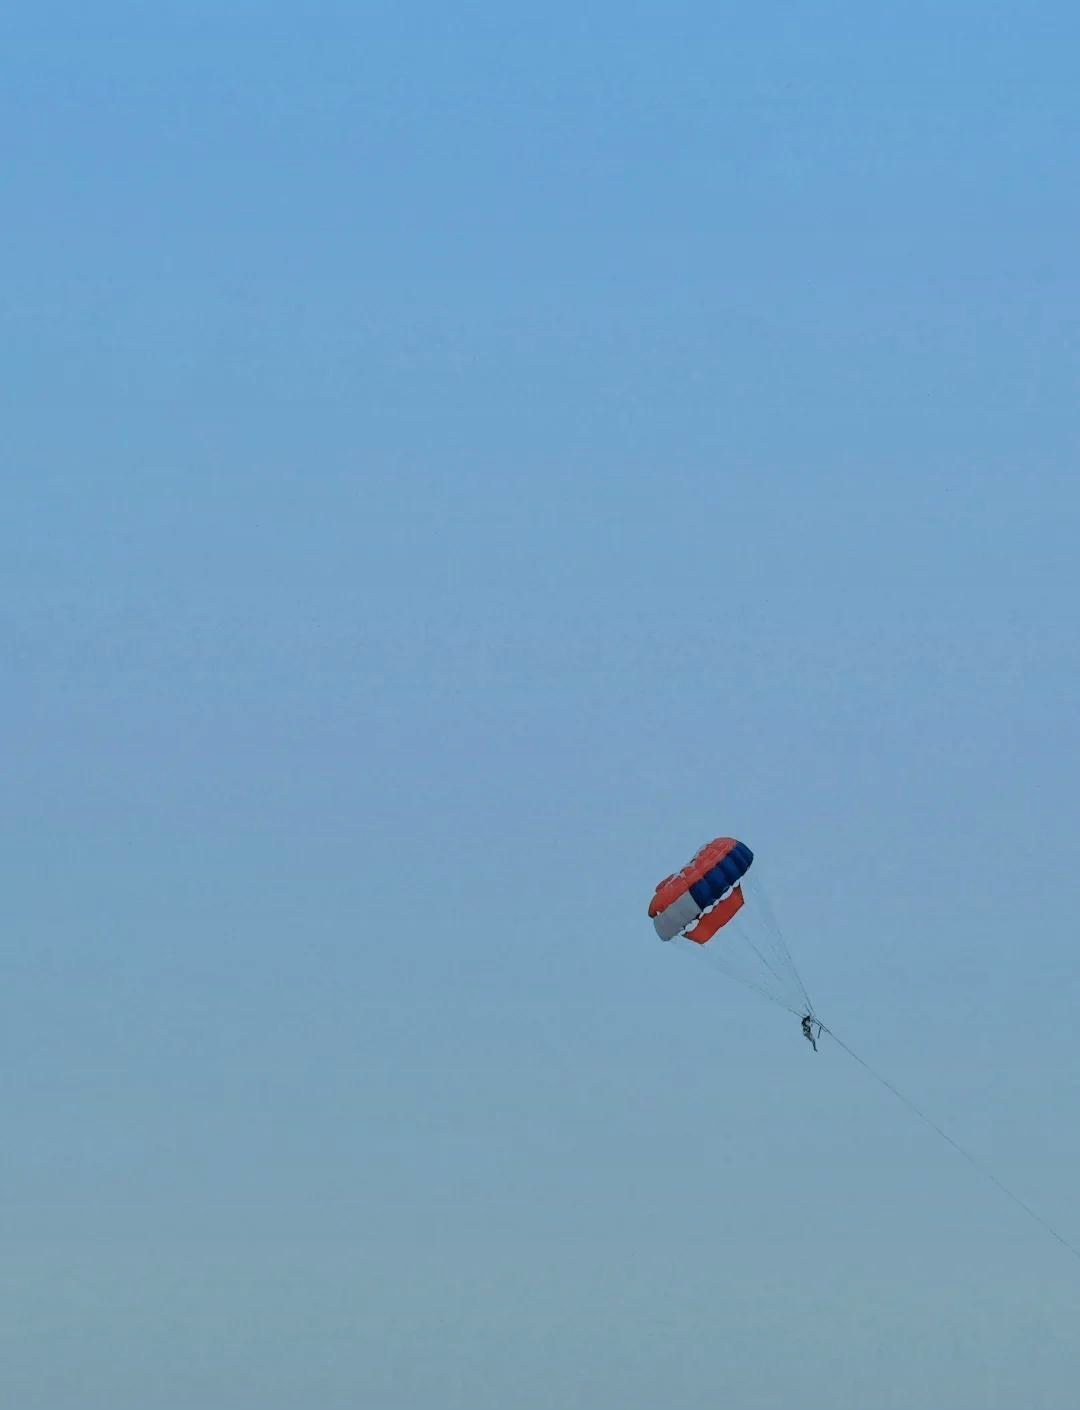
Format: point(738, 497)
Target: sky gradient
point(454, 461)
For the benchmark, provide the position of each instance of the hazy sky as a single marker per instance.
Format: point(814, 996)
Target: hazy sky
point(455, 459)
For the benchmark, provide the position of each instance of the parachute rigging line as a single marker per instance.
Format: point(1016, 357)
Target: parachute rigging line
point(960, 1150)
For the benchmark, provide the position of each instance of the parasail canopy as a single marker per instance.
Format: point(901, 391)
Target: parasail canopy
point(711, 899)
point(708, 887)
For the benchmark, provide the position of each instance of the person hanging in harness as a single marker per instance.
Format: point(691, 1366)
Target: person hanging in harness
point(808, 1033)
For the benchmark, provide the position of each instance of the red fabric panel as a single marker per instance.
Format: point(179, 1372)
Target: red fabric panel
point(712, 920)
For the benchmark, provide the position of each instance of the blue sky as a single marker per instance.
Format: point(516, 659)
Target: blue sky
point(455, 460)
